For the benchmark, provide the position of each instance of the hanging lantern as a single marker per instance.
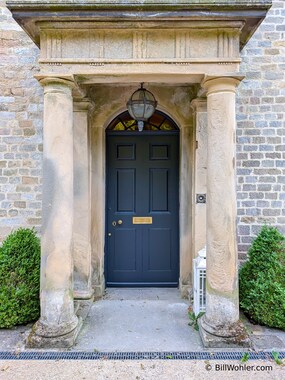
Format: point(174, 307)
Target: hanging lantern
point(199, 286)
point(141, 106)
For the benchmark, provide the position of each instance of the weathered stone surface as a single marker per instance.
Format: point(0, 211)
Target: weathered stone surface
point(265, 90)
point(20, 109)
point(82, 202)
point(251, 12)
point(63, 341)
point(222, 303)
point(34, 340)
point(200, 176)
point(237, 337)
point(57, 307)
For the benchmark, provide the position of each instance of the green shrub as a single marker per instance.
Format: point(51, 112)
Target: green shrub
point(262, 279)
point(19, 278)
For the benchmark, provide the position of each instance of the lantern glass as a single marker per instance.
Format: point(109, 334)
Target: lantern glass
point(142, 104)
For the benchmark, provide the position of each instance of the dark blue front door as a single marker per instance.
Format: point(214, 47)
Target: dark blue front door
point(142, 244)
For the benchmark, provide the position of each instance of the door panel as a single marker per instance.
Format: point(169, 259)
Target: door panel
point(159, 190)
point(159, 255)
point(142, 181)
point(125, 238)
point(126, 152)
point(159, 152)
point(125, 187)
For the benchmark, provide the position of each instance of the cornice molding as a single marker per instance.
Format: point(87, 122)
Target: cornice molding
point(30, 13)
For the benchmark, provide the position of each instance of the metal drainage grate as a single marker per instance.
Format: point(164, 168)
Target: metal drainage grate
point(135, 355)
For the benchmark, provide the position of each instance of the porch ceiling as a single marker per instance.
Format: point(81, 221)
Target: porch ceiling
point(28, 13)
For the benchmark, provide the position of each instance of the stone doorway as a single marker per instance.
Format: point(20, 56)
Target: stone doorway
point(176, 99)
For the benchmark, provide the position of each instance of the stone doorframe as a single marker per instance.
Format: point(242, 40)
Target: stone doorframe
point(118, 42)
point(113, 100)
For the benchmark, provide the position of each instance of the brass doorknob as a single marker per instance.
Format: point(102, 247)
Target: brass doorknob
point(120, 221)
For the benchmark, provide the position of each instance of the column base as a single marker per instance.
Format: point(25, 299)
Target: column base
point(39, 338)
point(185, 291)
point(63, 341)
point(99, 290)
point(234, 336)
point(83, 294)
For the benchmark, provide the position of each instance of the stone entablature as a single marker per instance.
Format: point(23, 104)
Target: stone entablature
point(140, 38)
point(66, 42)
point(232, 17)
point(186, 48)
point(28, 12)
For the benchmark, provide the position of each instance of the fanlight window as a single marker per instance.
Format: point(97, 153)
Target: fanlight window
point(158, 122)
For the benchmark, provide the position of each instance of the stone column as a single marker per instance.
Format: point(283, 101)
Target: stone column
point(58, 324)
point(82, 206)
point(199, 106)
point(220, 325)
point(186, 194)
point(98, 208)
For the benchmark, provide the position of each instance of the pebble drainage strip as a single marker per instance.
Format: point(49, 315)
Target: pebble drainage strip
point(136, 355)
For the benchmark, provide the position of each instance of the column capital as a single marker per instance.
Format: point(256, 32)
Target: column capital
point(216, 84)
point(81, 104)
point(56, 84)
point(199, 105)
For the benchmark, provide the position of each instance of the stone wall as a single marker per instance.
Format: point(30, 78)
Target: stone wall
point(260, 134)
point(20, 128)
point(261, 129)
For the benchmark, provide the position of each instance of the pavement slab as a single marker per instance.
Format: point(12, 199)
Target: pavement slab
point(139, 319)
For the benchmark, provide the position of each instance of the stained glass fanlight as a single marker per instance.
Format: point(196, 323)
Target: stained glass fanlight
point(158, 122)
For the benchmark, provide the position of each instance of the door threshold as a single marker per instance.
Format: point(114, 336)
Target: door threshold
point(142, 284)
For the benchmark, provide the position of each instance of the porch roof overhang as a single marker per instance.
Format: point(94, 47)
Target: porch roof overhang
point(29, 13)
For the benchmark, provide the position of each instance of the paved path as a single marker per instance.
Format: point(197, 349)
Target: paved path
point(146, 319)
point(139, 320)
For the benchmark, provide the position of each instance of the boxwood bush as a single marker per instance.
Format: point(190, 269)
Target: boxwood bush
point(262, 279)
point(19, 278)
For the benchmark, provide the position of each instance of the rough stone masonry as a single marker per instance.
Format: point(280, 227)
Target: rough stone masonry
point(260, 132)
